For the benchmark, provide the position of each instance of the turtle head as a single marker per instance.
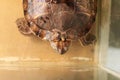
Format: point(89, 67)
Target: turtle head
point(60, 43)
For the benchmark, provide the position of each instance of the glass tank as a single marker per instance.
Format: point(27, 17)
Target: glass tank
point(28, 57)
point(111, 59)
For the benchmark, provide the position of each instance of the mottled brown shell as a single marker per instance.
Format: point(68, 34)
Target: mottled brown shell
point(60, 21)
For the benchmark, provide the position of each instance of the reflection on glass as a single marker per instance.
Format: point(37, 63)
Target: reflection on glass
point(54, 73)
point(113, 57)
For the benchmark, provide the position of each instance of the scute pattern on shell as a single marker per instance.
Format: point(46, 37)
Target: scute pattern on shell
point(59, 21)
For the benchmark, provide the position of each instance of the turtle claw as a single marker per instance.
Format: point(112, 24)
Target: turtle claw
point(23, 26)
point(90, 39)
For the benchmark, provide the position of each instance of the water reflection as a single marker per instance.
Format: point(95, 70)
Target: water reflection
point(54, 73)
point(113, 56)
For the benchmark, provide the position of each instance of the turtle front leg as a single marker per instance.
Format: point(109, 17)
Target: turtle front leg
point(23, 26)
point(89, 39)
point(31, 28)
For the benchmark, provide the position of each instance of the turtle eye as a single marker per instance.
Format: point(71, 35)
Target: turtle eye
point(58, 37)
point(55, 38)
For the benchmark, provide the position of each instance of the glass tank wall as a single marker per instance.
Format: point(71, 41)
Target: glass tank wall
point(28, 57)
point(109, 46)
point(113, 55)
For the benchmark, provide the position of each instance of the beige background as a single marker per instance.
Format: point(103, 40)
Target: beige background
point(16, 47)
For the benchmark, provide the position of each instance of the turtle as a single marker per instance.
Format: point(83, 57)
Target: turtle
point(59, 21)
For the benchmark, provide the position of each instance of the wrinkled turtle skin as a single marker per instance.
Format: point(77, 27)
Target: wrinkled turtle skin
point(59, 21)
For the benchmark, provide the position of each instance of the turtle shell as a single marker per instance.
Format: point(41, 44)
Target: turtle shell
point(59, 21)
